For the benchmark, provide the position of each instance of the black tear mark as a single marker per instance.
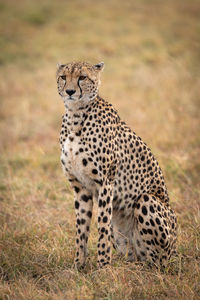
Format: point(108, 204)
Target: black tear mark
point(80, 89)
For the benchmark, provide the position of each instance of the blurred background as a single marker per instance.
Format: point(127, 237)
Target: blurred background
point(151, 51)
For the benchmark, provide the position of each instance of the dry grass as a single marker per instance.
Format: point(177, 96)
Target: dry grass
point(151, 51)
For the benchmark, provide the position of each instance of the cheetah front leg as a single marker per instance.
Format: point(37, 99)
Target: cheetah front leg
point(104, 224)
point(83, 207)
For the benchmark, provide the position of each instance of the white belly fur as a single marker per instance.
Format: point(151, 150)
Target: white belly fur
point(74, 164)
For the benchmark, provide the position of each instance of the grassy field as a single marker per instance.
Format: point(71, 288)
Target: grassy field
point(151, 50)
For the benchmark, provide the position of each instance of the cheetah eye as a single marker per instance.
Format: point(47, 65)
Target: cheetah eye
point(82, 77)
point(63, 77)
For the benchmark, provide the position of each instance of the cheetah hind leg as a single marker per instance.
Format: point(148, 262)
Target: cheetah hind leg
point(154, 235)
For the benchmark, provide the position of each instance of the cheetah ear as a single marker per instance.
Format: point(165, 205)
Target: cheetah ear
point(99, 67)
point(58, 65)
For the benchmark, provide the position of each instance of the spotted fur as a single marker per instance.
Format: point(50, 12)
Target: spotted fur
point(104, 160)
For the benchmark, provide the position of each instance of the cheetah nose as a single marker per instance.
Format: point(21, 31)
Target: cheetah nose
point(70, 92)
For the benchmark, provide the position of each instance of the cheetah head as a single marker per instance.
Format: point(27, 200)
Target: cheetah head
point(78, 81)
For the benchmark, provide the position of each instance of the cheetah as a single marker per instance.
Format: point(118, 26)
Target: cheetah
point(105, 160)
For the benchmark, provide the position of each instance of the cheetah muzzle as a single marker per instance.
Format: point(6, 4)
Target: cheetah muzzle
point(104, 160)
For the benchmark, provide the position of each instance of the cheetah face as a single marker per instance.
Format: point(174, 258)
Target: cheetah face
point(78, 81)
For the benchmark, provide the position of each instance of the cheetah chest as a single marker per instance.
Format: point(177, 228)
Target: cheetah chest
point(75, 161)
